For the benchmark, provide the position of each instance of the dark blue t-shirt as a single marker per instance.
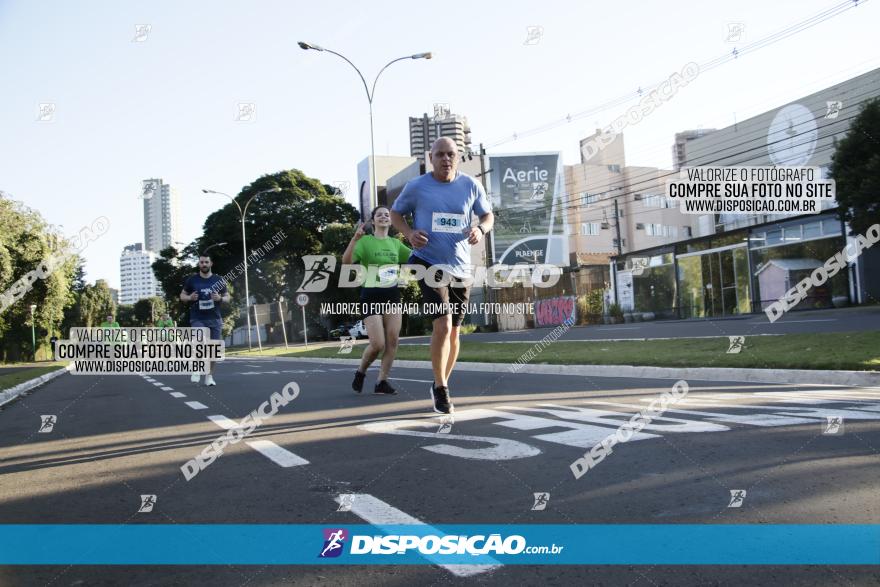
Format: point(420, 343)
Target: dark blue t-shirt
point(205, 308)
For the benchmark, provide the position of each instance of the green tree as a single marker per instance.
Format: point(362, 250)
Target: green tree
point(72, 311)
point(95, 303)
point(28, 247)
point(148, 310)
point(125, 315)
point(281, 228)
point(855, 168)
point(172, 269)
point(335, 238)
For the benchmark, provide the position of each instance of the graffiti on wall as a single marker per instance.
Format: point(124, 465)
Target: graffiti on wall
point(555, 311)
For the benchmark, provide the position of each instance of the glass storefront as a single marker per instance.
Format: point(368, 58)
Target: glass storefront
point(714, 283)
point(654, 287)
point(713, 277)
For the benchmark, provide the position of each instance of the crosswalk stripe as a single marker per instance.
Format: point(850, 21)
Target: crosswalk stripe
point(267, 448)
point(197, 405)
point(223, 422)
point(275, 453)
point(377, 512)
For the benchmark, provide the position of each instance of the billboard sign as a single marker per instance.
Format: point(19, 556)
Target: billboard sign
point(528, 191)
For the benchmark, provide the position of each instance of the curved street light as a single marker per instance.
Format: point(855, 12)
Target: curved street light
point(242, 212)
point(371, 92)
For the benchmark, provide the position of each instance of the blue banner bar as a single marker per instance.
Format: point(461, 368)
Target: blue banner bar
point(531, 544)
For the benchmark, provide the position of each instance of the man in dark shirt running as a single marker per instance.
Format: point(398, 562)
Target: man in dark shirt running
point(205, 291)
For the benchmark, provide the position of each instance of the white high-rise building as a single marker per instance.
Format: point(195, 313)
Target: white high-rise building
point(425, 130)
point(161, 221)
point(136, 277)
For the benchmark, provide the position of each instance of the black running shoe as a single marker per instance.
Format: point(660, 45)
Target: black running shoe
point(384, 388)
point(440, 395)
point(358, 383)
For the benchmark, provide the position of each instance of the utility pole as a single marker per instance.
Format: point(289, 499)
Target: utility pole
point(617, 227)
point(619, 249)
point(489, 249)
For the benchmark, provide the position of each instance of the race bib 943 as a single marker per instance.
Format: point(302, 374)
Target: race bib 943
point(443, 222)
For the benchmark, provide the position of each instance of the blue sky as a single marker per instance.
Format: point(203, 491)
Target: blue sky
point(165, 107)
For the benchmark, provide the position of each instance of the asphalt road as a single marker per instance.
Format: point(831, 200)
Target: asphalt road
point(816, 321)
point(117, 438)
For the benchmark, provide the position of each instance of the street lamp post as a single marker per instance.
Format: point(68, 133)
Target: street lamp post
point(242, 213)
point(33, 331)
point(374, 188)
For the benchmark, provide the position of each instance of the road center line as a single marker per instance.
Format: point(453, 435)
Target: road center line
point(197, 405)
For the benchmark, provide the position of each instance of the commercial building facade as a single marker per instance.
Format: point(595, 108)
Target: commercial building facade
point(739, 264)
point(386, 167)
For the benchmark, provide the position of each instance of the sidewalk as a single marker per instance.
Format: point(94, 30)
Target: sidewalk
point(7, 395)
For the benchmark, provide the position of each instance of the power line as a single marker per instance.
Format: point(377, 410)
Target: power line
point(771, 39)
point(569, 202)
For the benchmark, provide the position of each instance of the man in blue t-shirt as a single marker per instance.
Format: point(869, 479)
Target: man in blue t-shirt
point(205, 291)
point(441, 204)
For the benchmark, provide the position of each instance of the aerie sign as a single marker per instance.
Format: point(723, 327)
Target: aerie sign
point(533, 174)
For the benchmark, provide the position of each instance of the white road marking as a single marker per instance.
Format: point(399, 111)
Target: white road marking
point(275, 453)
point(197, 405)
point(267, 448)
point(751, 419)
point(167, 389)
point(416, 380)
point(793, 321)
point(377, 512)
point(783, 411)
point(824, 395)
point(157, 383)
point(223, 422)
point(177, 394)
point(499, 449)
point(288, 371)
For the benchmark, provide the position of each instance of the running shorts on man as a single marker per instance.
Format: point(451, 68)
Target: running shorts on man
point(215, 326)
point(446, 299)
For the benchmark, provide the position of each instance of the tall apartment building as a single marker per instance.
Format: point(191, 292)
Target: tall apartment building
point(680, 148)
point(137, 280)
point(606, 198)
point(424, 130)
point(161, 221)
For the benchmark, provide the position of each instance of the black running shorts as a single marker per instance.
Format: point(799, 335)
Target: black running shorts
point(447, 299)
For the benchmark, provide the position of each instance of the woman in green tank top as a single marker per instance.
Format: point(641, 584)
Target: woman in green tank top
point(381, 253)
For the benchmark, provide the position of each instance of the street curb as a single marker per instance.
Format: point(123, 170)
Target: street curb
point(790, 376)
point(12, 393)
